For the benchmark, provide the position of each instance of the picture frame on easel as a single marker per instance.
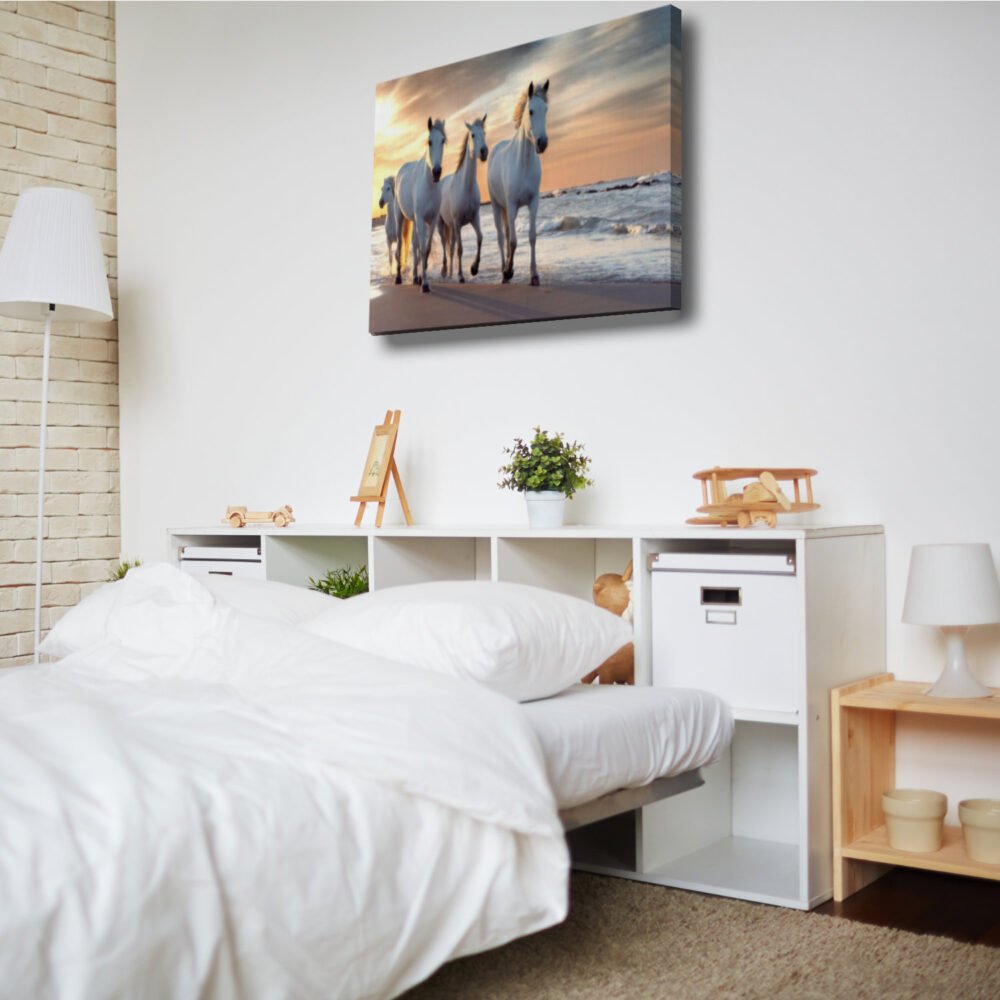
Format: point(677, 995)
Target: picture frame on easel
point(380, 464)
point(380, 454)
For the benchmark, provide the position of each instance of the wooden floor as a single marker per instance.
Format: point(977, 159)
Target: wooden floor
point(967, 909)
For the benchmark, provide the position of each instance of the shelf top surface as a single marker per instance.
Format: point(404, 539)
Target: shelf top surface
point(908, 696)
point(651, 531)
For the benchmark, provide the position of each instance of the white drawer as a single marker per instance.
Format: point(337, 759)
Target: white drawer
point(218, 561)
point(206, 567)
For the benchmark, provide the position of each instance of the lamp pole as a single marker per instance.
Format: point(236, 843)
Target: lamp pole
point(43, 422)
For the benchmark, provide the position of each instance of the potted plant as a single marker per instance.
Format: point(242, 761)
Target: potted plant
point(548, 470)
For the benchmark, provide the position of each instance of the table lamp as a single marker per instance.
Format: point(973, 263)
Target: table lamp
point(953, 587)
point(52, 268)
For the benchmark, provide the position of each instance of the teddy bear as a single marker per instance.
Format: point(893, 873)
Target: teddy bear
point(613, 591)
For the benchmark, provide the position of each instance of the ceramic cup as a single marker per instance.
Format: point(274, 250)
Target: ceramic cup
point(981, 829)
point(914, 819)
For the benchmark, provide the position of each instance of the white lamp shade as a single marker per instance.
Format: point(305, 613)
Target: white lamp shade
point(952, 585)
point(52, 255)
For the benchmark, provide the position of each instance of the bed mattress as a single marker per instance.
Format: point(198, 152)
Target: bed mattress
point(599, 738)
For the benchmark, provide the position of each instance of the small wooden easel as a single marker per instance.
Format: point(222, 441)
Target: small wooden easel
point(380, 462)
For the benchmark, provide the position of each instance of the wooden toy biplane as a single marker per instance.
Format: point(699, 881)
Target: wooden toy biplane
point(755, 503)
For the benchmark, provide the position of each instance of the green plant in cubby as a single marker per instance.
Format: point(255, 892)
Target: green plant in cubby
point(343, 583)
point(118, 573)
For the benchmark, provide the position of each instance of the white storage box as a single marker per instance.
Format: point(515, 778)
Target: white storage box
point(728, 622)
point(221, 560)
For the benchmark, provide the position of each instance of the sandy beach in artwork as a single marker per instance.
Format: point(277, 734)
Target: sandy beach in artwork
point(605, 249)
point(452, 306)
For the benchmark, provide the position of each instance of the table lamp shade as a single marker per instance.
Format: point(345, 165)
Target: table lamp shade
point(952, 585)
point(52, 255)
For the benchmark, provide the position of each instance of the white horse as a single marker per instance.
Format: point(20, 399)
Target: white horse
point(515, 175)
point(418, 201)
point(460, 200)
point(387, 200)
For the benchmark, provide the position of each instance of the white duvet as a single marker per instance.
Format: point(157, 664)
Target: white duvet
point(208, 805)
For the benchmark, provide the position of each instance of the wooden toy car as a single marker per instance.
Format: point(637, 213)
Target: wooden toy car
point(239, 517)
point(758, 502)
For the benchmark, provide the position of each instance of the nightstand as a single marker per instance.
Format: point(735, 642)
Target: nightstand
point(864, 766)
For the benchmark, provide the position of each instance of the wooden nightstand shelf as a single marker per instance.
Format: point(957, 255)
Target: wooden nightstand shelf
point(864, 766)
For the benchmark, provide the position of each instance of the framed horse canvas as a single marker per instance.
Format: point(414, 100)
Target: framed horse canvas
point(539, 182)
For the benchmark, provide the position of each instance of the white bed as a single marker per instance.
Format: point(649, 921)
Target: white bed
point(204, 803)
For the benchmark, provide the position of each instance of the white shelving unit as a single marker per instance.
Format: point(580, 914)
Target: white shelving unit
point(760, 828)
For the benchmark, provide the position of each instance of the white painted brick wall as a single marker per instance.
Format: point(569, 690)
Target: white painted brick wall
point(57, 127)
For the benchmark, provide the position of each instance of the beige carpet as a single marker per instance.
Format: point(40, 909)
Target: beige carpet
point(633, 940)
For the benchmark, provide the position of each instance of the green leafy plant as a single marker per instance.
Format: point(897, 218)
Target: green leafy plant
point(118, 573)
point(342, 583)
point(548, 462)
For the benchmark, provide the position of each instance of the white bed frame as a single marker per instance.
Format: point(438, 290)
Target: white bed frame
point(627, 799)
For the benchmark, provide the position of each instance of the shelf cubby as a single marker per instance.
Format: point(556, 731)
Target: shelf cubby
point(401, 560)
point(293, 559)
point(569, 565)
point(739, 833)
point(764, 871)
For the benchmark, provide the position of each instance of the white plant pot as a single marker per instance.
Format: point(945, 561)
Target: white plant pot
point(546, 509)
point(914, 819)
point(981, 827)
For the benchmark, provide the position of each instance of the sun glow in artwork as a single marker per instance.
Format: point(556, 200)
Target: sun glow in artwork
point(539, 182)
point(384, 110)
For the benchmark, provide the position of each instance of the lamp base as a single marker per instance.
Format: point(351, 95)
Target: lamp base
point(956, 681)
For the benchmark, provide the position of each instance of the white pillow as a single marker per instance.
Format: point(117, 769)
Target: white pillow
point(87, 623)
point(274, 602)
point(83, 625)
point(521, 641)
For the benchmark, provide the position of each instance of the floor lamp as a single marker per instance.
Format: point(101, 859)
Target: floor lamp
point(52, 268)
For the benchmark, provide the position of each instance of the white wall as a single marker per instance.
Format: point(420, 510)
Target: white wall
point(842, 238)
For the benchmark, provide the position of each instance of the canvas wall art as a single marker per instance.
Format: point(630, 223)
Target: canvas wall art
point(535, 183)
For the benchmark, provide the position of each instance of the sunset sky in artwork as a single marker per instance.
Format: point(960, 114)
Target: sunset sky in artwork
point(614, 103)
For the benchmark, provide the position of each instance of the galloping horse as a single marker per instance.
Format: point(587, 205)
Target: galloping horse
point(387, 200)
point(460, 200)
point(418, 201)
point(515, 175)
